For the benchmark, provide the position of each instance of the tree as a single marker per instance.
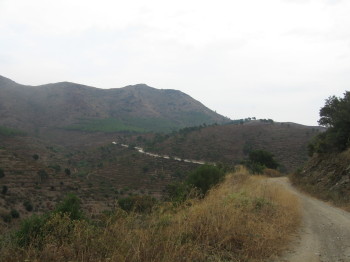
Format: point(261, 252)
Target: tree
point(263, 158)
point(259, 160)
point(2, 173)
point(335, 115)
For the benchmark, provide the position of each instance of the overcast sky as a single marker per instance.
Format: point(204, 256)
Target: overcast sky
point(276, 59)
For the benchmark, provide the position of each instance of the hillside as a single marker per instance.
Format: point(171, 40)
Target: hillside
point(36, 171)
point(65, 105)
point(327, 176)
point(232, 143)
point(245, 218)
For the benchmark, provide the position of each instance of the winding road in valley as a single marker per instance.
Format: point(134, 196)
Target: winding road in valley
point(325, 232)
point(142, 151)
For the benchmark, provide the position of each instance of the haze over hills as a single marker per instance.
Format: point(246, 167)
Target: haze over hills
point(72, 127)
point(73, 106)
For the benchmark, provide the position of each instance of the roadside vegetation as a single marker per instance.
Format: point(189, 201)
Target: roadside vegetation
point(238, 218)
point(326, 174)
point(335, 115)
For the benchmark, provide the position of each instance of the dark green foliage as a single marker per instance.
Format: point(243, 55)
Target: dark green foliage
point(140, 204)
point(7, 218)
point(2, 173)
point(71, 206)
point(67, 171)
point(204, 177)
point(31, 228)
point(177, 192)
point(4, 190)
point(43, 175)
point(335, 115)
point(7, 131)
point(35, 156)
point(145, 169)
point(14, 213)
point(28, 205)
point(56, 167)
point(263, 158)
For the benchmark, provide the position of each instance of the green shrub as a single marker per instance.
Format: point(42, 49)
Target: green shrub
point(43, 175)
point(2, 173)
point(30, 229)
point(204, 177)
point(28, 205)
point(14, 213)
point(71, 206)
point(4, 190)
point(140, 204)
point(177, 192)
point(56, 167)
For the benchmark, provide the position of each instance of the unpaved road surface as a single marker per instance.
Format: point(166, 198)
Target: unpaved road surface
point(325, 232)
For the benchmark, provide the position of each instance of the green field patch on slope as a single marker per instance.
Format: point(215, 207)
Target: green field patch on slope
point(107, 125)
point(140, 125)
point(7, 131)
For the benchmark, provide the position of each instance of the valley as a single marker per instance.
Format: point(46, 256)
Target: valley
point(152, 160)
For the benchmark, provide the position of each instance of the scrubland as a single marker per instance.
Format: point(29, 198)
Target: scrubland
point(245, 218)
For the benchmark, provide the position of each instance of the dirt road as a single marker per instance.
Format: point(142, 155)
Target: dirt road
point(325, 232)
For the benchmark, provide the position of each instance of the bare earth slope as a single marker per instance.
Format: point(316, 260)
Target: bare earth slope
point(325, 232)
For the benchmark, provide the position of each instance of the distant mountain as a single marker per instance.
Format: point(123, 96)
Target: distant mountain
point(73, 106)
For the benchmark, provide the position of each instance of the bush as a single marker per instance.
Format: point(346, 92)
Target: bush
point(56, 167)
point(30, 229)
point(71, 206)
point(35, 229)
point(4, 190)
point(14, 213)
point(177, 192)
point(35, 156)
point(28, 205)
point(2, 173)
point(67, 171)
point(140, 204)
point(205, 177)
point(43, 175)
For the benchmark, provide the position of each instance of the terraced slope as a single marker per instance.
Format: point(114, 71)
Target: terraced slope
point(232, 143)
point(98, 175)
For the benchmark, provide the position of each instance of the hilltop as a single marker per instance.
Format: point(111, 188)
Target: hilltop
point(71, 106)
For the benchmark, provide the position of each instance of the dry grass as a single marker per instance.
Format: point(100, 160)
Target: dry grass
point(244, 219)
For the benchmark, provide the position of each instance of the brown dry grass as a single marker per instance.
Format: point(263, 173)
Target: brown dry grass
point(244, 219)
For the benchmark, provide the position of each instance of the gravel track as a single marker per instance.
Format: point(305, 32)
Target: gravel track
point(325, 232)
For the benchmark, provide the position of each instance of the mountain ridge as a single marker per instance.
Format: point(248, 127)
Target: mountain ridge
point(76, 106)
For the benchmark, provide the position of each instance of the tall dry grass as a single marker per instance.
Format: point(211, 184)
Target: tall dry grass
point(246, 218)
